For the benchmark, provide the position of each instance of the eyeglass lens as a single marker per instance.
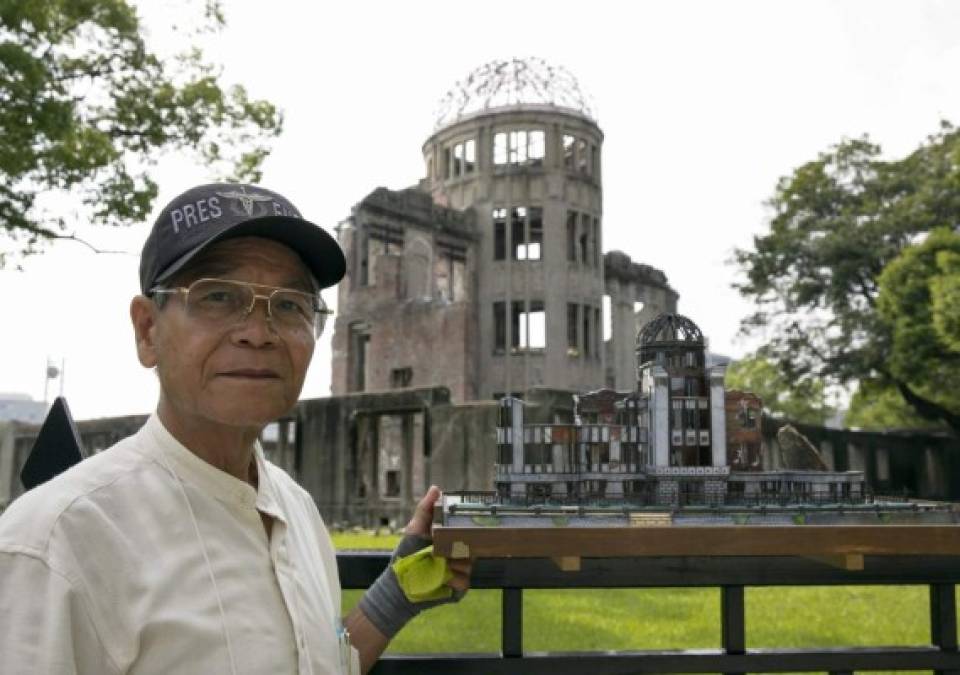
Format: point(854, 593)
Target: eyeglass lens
point(224, 300)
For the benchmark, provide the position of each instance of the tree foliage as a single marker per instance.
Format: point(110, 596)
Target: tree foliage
point(836, 223)
point(86, 109)
point(917, 303)
point(798, 401)
point(877, 405)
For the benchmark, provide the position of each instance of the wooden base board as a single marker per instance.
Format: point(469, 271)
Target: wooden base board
point(837, 542)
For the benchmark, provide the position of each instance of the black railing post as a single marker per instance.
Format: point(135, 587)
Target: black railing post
point(732, 631)
point(943, 619)
point(512, 622)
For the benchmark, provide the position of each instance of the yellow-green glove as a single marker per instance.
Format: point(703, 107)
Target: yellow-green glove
point(423, 576)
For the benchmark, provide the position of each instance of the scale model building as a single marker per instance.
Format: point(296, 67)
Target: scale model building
point(679, 444)
point(679, 438)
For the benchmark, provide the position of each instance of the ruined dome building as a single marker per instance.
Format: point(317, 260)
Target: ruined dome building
point(489, 276)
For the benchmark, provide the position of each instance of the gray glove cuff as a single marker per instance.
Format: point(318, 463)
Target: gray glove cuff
point(385, 604)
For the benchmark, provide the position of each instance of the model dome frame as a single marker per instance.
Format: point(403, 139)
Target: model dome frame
point(670, 329)
point(513, 82)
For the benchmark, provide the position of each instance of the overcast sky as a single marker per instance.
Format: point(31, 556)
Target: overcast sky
point(704, 105)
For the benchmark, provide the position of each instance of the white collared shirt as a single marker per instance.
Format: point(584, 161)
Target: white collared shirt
point(102, 570)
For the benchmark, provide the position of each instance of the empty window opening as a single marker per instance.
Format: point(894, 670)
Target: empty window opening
point(464, 159)
point(535, 241)
point(583, 159)
point(500, 149)
point(607, 318)
point(358, 348)
point(499, 234)
point(469, 156)
point(449, 272)
point(527, 232)
point(392, 484)
point(529, 327)
point(457, 167)
point(499, 327)
point(568, 148)
point(378, 241)
point(572, 236)
point(536, 148)
point(519, 147)
point(586, 332)
point(595, 244)
point(401, 378)
point(518, 217)
point(586, 235)
point(573, 319)
point(597, 327)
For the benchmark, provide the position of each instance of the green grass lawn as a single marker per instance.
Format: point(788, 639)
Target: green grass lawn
point(587, 620)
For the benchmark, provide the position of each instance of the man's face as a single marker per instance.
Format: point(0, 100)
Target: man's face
point(238, 374)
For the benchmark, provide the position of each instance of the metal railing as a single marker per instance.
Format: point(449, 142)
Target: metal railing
point(730, 574)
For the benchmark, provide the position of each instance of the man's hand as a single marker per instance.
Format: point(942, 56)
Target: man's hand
point(420, 526)
point(385, 602)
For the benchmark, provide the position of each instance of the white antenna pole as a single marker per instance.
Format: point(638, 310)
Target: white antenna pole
point(63, 370)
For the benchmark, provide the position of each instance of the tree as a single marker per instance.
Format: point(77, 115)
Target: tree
point(876, 405)
point(918, 305)
point(798, 401)
point(86, 109)
point(836, 223)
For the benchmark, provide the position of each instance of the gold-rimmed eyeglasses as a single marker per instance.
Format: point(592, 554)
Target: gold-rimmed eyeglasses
point(225, 302)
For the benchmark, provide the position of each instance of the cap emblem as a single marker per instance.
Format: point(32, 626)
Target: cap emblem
point(242, 201)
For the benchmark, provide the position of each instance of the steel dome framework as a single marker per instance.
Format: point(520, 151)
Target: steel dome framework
point(513, 82)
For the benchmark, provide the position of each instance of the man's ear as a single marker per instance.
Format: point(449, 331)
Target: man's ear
point(143, 314)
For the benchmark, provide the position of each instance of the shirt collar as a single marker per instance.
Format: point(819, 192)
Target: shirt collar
point(208, 478)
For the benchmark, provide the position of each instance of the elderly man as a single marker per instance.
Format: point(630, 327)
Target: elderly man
point(181, 549)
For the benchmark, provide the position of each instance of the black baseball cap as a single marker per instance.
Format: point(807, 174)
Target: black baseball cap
point(206, 214)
